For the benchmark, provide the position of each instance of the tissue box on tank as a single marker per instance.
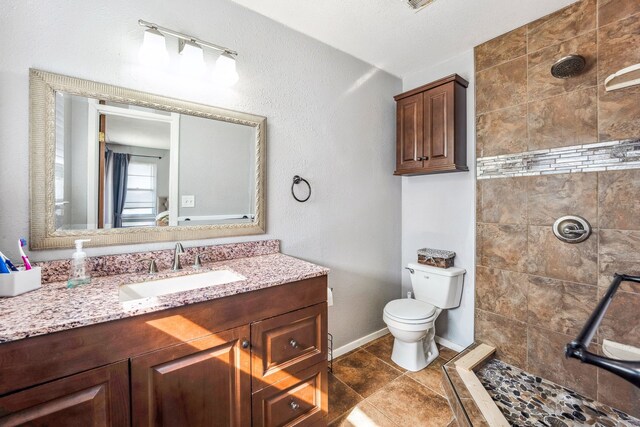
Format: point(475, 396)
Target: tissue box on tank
point(436, 257)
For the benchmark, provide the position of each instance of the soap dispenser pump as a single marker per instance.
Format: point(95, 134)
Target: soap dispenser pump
point(79, 272)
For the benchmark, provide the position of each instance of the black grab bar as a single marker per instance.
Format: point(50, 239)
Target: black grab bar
point(578, 348)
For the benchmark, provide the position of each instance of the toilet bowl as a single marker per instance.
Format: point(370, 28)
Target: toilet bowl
point(412, 321)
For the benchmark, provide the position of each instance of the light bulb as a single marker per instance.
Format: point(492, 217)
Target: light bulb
point(153, 51)
point(191, 59)
point(225, 71)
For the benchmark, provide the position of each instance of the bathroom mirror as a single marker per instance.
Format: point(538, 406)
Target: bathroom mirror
point(119, 166)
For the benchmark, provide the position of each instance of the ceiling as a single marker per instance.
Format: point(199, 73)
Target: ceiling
point(135, 132)
point(393, 37)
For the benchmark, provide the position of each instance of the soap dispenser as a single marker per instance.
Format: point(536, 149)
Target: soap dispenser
point(79, 272)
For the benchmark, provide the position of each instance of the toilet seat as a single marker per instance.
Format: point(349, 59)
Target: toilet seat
point(409, 311)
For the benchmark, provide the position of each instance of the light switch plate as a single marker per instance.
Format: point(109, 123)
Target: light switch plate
point(189, 201)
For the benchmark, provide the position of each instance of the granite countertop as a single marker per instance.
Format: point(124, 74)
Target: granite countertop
point(54, 308)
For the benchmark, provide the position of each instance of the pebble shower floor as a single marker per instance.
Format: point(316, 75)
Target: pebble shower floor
point(527, 400)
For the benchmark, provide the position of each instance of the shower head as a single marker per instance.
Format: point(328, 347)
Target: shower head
point(569, 66)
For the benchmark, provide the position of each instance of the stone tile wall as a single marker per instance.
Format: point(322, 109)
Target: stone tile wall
point(533, 292)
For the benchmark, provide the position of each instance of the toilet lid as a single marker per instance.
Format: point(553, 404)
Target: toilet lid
point(409, 309)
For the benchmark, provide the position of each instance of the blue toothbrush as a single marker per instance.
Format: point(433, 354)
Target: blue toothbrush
point(8, 262)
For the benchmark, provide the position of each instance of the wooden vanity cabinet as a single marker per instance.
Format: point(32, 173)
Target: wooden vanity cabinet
point(289, 369)
point(258, 358)
point(287, 343)
point(99, 397)
point(204, 382)
point(431, 122)
point(297, 400)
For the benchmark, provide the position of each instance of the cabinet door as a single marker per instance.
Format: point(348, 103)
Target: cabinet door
point(409, 130)
point(298, 400)
point(99, 397)
point(439, 127)
point(288, 343)
point(204, 382)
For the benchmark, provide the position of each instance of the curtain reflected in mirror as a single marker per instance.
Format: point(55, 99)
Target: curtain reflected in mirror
point(116, 177)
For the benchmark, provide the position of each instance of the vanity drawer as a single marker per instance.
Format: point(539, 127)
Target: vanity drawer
point(288, 343)
point(298, 400)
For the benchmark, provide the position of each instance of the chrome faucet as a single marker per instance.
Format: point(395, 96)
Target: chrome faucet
point(178, 251)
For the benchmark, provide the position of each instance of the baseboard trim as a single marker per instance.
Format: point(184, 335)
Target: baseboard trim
point(337, 352)
point(446, 343)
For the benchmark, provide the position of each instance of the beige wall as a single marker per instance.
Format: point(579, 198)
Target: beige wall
point(330, 120)
point(533, 292)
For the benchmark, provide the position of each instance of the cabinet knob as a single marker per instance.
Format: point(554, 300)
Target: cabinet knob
point(293, 343)
point(245, 343)
point(294, 405)
point(423, 158)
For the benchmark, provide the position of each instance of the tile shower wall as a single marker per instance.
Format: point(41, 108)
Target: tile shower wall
point(533, 292)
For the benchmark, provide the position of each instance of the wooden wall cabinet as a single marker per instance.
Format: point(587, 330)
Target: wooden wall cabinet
point(431, 128)
point(234, 361)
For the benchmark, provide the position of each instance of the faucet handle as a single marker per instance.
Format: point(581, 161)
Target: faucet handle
point(153, 267)
point(197, 263)
point(179, 251)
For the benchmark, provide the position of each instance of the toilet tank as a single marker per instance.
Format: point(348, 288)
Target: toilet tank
point(441, 287)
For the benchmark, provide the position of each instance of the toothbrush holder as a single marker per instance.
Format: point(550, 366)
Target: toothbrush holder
point(19, 282)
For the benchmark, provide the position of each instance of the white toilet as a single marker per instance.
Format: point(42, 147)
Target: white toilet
point(412, 321)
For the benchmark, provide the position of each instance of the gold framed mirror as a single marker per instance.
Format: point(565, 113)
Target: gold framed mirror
point(120, 166)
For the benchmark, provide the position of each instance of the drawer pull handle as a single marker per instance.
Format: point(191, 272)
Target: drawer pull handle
point(245, 344)
point(293, 343)
point(294, 405)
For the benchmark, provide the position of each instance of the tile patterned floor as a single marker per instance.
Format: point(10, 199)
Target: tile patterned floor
point(367, 389)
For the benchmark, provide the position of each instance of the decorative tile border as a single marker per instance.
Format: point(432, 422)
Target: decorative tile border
point(597, 157)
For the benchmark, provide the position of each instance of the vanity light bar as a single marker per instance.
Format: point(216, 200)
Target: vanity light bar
point(186, 37)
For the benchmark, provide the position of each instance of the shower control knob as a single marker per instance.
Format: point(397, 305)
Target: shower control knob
point(572, 229)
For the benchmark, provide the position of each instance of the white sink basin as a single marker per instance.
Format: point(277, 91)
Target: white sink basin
point(155, 288)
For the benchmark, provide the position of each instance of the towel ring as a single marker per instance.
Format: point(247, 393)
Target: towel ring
point(297, 180)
